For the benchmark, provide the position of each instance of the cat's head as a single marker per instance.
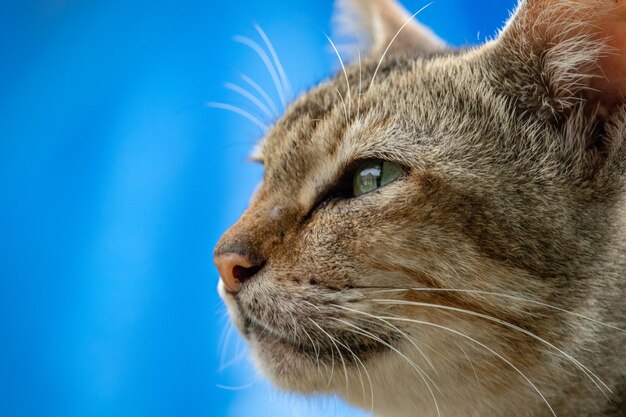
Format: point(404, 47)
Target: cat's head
point(426, 204)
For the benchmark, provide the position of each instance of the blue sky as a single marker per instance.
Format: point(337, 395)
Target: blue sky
point(116, 180)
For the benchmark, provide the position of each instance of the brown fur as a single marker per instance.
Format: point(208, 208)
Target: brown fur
point(509, 218)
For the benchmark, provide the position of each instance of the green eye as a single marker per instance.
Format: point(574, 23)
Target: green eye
point(374, 174)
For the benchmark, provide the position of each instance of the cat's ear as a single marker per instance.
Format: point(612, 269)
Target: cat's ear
point(559, 52)
point(371, 27)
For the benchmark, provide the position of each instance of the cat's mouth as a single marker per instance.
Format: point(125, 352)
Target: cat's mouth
point(352, 349)
point(296, 351)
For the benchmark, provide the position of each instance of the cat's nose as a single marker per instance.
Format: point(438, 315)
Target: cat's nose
point(235, 269)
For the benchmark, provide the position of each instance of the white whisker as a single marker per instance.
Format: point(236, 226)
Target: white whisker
point(393, 40)
point(503, 295)
point(237, 388)
point(245, 93)
point(262, 93)
point(333, 340)
point(236, 354)
point(236, 357)
point(332, 367)
point(395, 328)
point(343, 68)
point(268, 64)
point(471, 364)
point(358, 51)
point(227, 332)
point(425, 323)
point(277, 63)
point(361, 375)
point(369, 379)
point(579, 365)
point(345, 109)
point(296, 330)
point(237, 110)
point(315, 349)
point(419, 370)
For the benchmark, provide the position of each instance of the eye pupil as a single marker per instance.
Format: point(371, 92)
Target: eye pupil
point(374, 174)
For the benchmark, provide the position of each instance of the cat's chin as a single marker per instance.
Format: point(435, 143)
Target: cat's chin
point(287, 366)
point(301, 369)
point(297, 366)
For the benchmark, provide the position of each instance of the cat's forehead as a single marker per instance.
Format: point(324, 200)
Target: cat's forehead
point(349, 94)
point(374, 109)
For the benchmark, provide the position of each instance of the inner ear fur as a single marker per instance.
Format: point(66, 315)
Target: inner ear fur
point(562, 52)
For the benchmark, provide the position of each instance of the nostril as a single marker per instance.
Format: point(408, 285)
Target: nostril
point(242, 273)
point(235, 268)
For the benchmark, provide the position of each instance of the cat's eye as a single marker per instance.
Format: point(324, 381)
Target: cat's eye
point(360, 177)
point(373, 174)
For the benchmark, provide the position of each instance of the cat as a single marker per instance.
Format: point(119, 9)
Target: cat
point(442, 232)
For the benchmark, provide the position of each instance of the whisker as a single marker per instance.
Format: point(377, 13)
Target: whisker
point(245, 93)
point(425, 323)
point(343, 68)
point(262, 93)
point(237, 388)
point(358, 51)
point(333, 340)
point(241, 112)
point(471, 364)
point(224, 343)
point(503, 295)
point(268, 64)
point(315, 349)
point(579, 365)
point(356, 357)
point(225, 363)
point(345, 109)
point(332, 367)
point(332, 362)
point(393, 40)
point(410, 339)
point(420, 372)
point(236, 358)
point(369, 379)
point(296, 332)
point(311, 304)
point(277, 63)
point(236, 354)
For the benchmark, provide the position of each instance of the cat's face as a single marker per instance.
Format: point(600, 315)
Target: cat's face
point(414, 216)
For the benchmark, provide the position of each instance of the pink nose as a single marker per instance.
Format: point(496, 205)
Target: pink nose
point(234, 270)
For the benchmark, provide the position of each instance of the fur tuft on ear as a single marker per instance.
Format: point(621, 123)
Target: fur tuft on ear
point(371, 26)
point(568, 51)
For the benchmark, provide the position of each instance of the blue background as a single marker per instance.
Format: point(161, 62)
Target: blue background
point(116, 180)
